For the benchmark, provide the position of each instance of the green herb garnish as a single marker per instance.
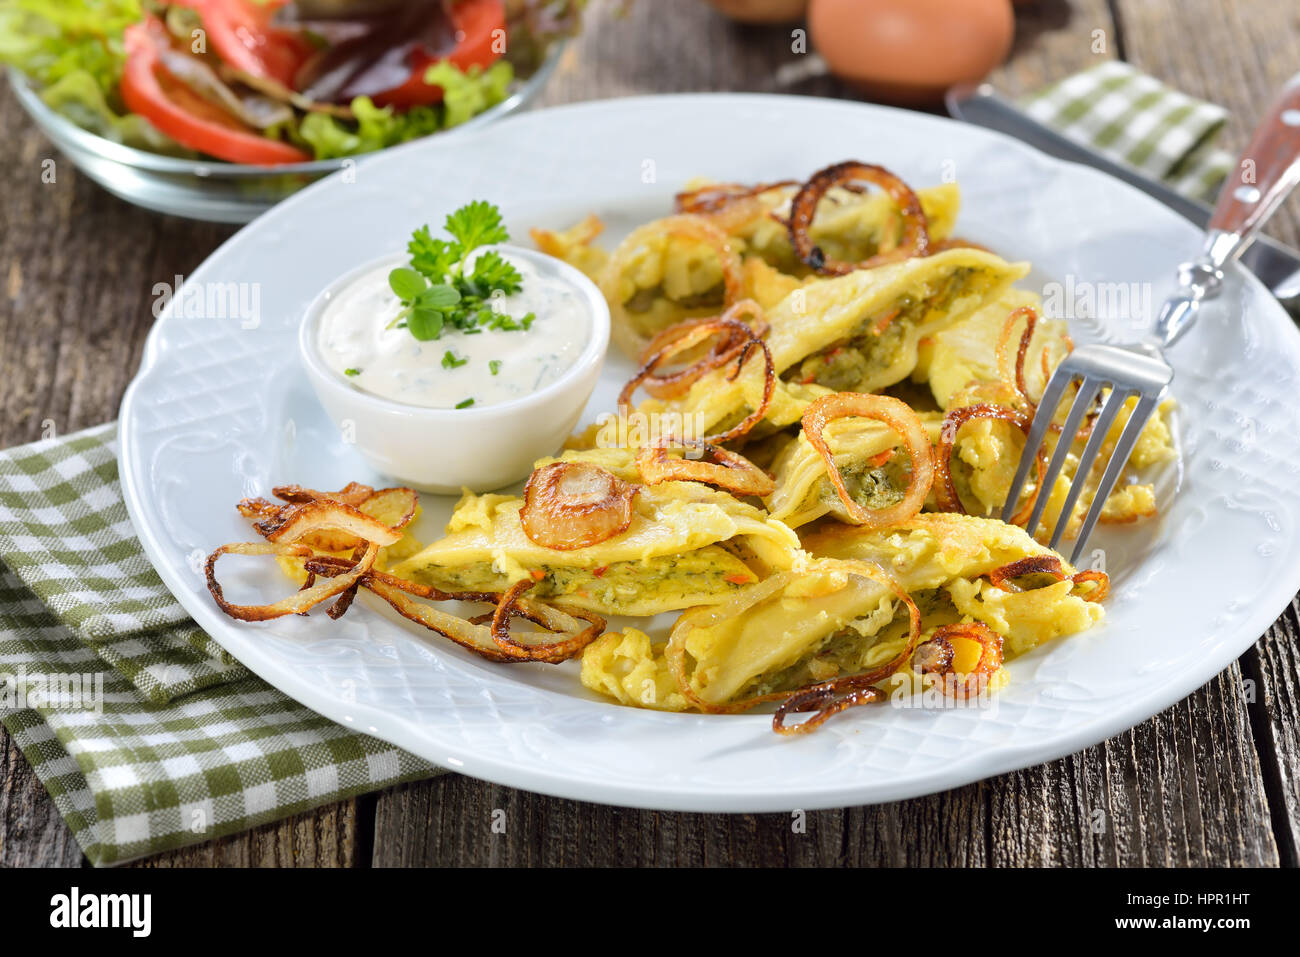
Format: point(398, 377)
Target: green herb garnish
point(437, 290)
point(464, 403)
point(452, 361)
point(352, 372)
point(494, 366)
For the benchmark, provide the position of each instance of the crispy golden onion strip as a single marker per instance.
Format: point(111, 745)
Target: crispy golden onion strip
point(900, 417)
point(354, 493)
point(825, 701)
point(296, 604)
point(576, 627)
point(945, 492)
point(740, 352)
point(742, 427)
point(717, 196)
point(570, 505)
point(727, 470)
point(316, 516)
point(268, 517)
point(1014, 375)
point(731, 206)
point(733, 335)
point(1003, 576)
point(916, 235)
point(934, 659)
point(553, 618)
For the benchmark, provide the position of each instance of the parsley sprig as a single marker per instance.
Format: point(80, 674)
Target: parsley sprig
point(440, 290)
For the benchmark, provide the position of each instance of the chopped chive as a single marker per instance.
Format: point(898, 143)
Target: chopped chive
point(352, 372)
point(464, 403)
point(451, 361)
point(494, 365)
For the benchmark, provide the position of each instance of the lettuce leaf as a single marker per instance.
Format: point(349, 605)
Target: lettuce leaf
point(80, 98)
point(465, 95)
point(72, 50)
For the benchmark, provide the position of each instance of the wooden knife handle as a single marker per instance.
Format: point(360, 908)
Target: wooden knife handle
point(1267, 171)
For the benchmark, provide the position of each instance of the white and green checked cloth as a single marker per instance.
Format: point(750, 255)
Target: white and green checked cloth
point(1137, 120)
point(145, 733)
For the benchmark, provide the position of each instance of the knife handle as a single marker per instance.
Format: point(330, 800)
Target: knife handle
point(1267, 171)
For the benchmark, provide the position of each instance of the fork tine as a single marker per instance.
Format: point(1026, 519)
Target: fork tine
point(1047, 405)
point(1083, 400)
point(1113, 402)
point(1119, 458)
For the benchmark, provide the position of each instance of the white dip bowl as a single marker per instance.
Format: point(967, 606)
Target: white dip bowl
point(482, 447)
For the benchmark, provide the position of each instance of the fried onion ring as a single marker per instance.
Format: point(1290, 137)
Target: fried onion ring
point(945, 492)
point(570, 505)
point(354, 493)
point(938, 657)
point(548, 617)
point(296, 604)
point(1002, 576)
point(728, 470)
point(494, 643)
point(900, 417)
point(916, 235)
point(713, 197)
point(268, 517)
point(1014, 376)
point(826, 701)
point(734, 335)
point(301, 520)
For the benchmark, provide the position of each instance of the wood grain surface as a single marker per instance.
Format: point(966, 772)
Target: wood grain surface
point(1215, 780)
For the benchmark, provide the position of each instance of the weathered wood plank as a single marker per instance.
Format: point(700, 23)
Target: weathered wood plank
point(326, 837)
point(1055, 38)
point(32, 834)
point(1275, 672)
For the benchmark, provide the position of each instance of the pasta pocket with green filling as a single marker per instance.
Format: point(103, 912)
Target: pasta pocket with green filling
point(849, 225)
point(686, 544)
point(857, 333)
point(865, 606)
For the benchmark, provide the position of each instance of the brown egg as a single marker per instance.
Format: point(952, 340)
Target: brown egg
point(910, 51)
point(762, 11)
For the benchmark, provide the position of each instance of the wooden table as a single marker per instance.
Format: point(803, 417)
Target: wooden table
point(1215, 780)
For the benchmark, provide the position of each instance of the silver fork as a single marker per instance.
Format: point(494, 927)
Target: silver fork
point(1245, 203)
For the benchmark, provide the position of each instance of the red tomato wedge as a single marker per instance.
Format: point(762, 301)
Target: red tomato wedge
point(241, 33)
point(189, 119)
point(480, 41)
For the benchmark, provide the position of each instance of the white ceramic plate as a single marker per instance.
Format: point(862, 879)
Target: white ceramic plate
point(221, 410)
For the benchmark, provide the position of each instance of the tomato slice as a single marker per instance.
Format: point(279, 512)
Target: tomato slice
point(480, 29)
point(242, 35)
point(189, 119)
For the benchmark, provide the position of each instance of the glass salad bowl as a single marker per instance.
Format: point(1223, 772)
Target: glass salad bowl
point(214, 190)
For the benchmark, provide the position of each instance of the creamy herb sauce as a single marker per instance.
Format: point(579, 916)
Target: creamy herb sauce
point(355, 342)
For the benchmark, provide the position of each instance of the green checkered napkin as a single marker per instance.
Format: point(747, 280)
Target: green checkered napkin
point(146, 734)
point(1137, 120)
